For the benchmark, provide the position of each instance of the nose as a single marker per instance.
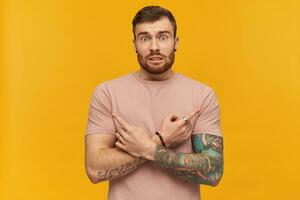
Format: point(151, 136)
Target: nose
point(154, 46)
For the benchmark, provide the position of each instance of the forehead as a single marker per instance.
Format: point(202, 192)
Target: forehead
point(163, 24)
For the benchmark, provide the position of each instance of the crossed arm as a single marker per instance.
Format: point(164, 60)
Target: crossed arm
point(104, 161)
point(205, 166)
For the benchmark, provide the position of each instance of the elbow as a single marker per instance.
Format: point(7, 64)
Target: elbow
point(93, 176)
point(213, 179)
point(217, 177)
point(94, 180)
point(215, 182)
point(212, 183)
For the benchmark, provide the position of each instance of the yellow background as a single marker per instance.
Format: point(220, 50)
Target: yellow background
point(54, 53)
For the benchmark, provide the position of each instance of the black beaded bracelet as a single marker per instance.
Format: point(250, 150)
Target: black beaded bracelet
point(161, 139)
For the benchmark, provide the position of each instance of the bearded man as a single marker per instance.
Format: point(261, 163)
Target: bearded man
point(154, 133)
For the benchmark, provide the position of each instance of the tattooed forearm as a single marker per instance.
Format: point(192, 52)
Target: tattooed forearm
point(205, 166)
point(109, 174)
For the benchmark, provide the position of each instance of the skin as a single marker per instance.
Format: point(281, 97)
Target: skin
point(105, 161)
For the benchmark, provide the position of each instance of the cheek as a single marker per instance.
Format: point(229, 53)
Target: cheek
point(142, 46)
point(167, 48)
point(142, 50)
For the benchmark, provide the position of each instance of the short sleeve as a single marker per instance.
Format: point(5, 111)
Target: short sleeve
point(100, 112)
point(208, 120)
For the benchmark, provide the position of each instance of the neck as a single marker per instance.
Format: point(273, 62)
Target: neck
point(155, 77)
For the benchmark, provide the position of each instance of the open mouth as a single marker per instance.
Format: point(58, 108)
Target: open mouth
point(155, 58)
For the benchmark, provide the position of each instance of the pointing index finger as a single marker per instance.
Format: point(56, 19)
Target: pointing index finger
point(122, 122)
point(188, 117)
point(191, 115)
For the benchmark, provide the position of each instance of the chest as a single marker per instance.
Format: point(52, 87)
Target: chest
point(148, 106)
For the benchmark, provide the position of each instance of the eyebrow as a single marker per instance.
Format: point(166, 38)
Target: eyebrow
point(147, 33)
point(160, 32)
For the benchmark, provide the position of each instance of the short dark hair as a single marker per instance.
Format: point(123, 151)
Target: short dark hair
point(152, 14)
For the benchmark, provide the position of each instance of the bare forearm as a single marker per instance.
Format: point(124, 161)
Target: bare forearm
point(112, 163)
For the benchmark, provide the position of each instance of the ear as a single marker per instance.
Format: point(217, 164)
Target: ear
point(176, 42)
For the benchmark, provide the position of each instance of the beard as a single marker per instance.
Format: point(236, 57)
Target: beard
point(169, 60)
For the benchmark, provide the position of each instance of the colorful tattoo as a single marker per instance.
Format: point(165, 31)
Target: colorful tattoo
point(205, 166)
point(110, 174)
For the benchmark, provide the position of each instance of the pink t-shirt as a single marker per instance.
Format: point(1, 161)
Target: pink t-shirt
point(146, 103)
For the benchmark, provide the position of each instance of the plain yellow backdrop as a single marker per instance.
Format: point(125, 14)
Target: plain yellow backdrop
point(54, 53)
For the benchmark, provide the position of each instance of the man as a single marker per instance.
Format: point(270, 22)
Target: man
point(154, 134)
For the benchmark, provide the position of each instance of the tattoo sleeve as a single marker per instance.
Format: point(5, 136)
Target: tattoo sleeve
point(205, 166)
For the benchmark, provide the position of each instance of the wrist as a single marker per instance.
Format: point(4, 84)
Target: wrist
point(156, 139)
point(150, 151)
point(161, 139)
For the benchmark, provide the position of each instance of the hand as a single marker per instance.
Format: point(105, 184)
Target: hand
point(134, 140)
point(175, 130)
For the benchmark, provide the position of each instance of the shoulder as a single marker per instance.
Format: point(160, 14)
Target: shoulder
point(196, 85)
point(119, 82)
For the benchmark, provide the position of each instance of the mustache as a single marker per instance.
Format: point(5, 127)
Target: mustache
point(156, 54)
